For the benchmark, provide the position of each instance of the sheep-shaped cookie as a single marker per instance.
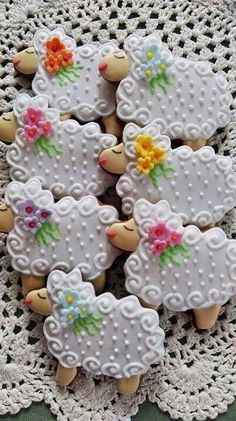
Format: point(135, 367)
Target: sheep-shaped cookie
point(186, 98)
point(44, 235)
point(63, 154)
point(116, 338)
point(200, 186)
point(69, 76)
point(181, 267)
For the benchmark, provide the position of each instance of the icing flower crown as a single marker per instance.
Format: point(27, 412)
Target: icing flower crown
point(151, 158)
point(37, 131)
point(60, 61)
point(37, 222)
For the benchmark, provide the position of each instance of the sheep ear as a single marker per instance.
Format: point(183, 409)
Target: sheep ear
point(142, 211)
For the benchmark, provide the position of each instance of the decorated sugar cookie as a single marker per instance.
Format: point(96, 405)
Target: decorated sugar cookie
point(181, 267)
point(68, 75)
point(45, 235)
point(116, 338)
point(186, 98)
point(200, 186)
point(62, 154)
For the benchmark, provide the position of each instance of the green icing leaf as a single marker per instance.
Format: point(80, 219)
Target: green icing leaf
point(168, 255)
point(91, 324)
point(45, 145)
point(159, 80)
point(69, 73)
point(160, 170)
point(46, 233)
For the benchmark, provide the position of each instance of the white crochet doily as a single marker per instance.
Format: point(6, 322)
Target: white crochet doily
point(197, 377)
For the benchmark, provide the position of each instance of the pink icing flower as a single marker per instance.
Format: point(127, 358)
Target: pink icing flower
point(174, 238)
point(31, 224)
point(31, 133)
point(32, 116)
point(46, 128)
point(158, 231)
point(158, 247)
point(43, 214)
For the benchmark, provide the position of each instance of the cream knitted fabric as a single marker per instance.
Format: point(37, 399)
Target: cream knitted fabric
point(197, 377)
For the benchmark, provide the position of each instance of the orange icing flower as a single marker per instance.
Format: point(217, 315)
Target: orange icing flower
point(54, 46)
point(51, 64)
point(65, 58)
point(143, 144)
point(145, 165)
point(158, 155)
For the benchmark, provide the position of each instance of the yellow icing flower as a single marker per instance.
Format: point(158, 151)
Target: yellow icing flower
point(145, 165)
point(143, 145)
point(157, 155)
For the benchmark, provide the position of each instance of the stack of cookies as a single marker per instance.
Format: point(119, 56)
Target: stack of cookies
point(102, 117)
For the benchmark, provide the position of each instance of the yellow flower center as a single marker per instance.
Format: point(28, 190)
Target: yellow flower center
point(83, 309)
point(69, 298)
point(163, 67)
point(148, 73)
point(69, 316)
point(150, 55)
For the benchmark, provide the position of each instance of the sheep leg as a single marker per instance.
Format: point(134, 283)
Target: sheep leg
point(31, 282)
point(113, 125)
point(99, 282)
point(206, 317)
point(147, 305)
point(128, 386)
point(195, 144)
point(64, 117)
point(65, 376)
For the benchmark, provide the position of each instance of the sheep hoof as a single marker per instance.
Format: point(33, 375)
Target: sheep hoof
point(128, 386)
point(195, 144)
point(206, 317)
point(65, 376)
point(113, 125)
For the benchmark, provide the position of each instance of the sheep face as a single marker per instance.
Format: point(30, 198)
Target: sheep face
point(114, 67)
point(26, 62)
point(114, 160)
point(124, 235)
point(8, 126)
point(6, 218)
point(38, 301)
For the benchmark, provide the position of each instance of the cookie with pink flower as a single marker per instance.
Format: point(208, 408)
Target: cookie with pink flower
point(178, 266)
point(63, 154)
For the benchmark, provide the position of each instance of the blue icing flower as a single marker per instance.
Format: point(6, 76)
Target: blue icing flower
point(150, 52)
point(84, 308)
point(148, 70)
point(68, 315)
point(68, 298)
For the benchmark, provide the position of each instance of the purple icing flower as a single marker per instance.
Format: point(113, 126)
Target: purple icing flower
point(26, 208)
point(31, 224)
point(158, 247)
point(43, 214)
point(159, 231)
point(31, 133)
point(46, 128)
point(32, 116)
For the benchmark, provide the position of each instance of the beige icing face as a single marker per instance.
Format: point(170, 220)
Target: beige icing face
point(39, 302)
point(114, 159)
point(114, 67)
point(8, 126)
point(6, 218)
point(26, 62)
point(124, 235)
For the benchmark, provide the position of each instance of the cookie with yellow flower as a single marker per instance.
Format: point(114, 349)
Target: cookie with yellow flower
point(200, 186)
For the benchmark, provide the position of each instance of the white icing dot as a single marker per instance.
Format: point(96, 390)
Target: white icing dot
point(139, 335)
point(200, 271)
point(114, 338)
point(82, 352)
point(211, 276)
point(116, 350)
point(163, 283)
point(201, 194)
point(139, 348)
point(177, 275)
point(195, 261)
point(186, 173)
point(87, 256)
point(126, 342)
point(189, 284)
point(202, 283)
point(111, 316)
point(196, 248)
point(189, 199)
point(187, 272)
point(42, 251)
point(222, 276)
point(174, 287)
point(115, 325)
point(163, 273)
point(97, 354)
point(81, 244)
point(125, 331)
point(56, 177)
point(128, 356)
point(132, 322)
point(111, 358)
point(88, 343)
